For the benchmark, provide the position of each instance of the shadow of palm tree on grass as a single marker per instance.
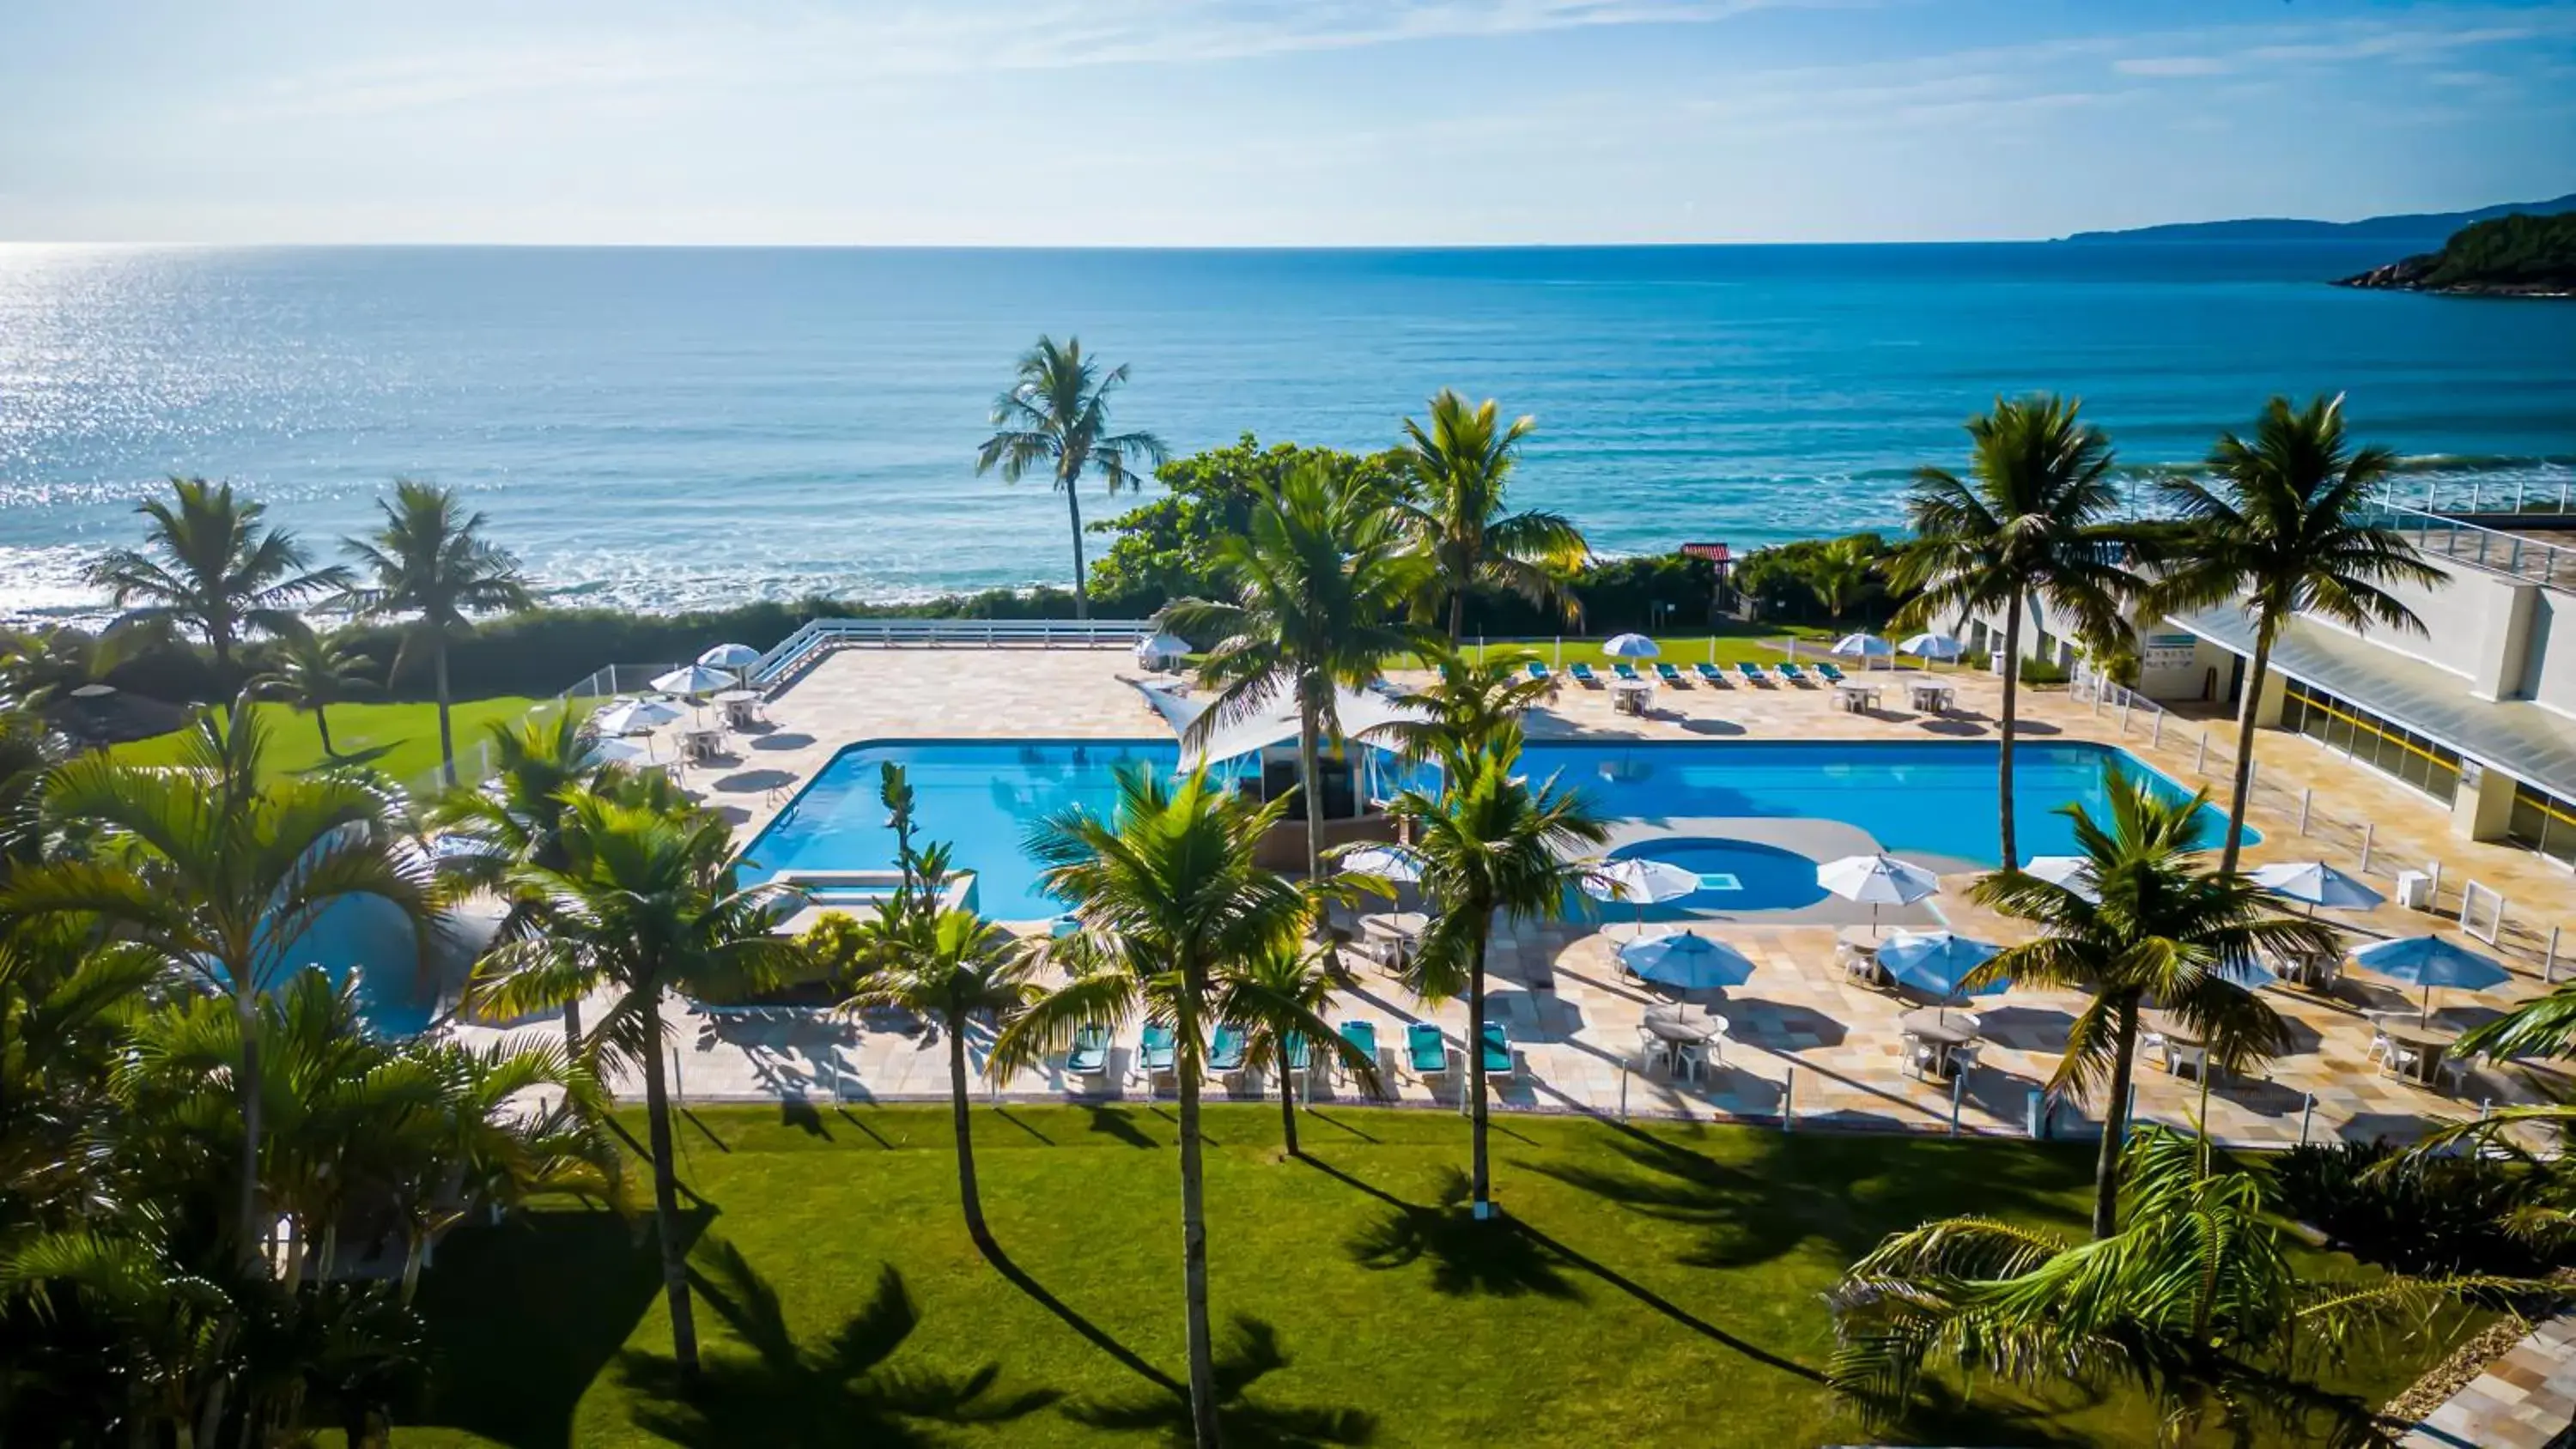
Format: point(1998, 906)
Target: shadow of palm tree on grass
point(841, 1391)
point(1466, 1256)
point(1246, 1352)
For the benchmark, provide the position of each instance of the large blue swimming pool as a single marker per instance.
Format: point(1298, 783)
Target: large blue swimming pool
point(1927, 798)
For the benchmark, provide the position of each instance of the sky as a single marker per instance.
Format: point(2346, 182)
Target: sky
point(1260, 122)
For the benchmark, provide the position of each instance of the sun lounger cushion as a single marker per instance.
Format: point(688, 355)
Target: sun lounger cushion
point(1832, 672)
point(1668, 674)
point(1225, 1054)
point(1362, 1035)
point(1582, 673)
point(1090, 1051)
point(1498, 1047)
point(1537, 670)
point(1749, 669)
point(1624, 670)
point(1709, 672)
point(1424, 1050)
point(1156, 1047)
point(1790, 671)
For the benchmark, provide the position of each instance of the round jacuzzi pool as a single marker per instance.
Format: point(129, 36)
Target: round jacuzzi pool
point(1734, 875)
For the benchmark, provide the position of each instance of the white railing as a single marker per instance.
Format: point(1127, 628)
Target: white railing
point(2440, 535)
point(819, 637)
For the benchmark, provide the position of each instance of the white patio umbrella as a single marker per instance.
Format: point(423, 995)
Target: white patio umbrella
point(1933, 646)
point(736, 657)
point(1645, 882)
point(2317, 884)
point(2074, 872)
point(1877, 880)
point(694, 679)
point(1863, 647)
point(1687, 960)
point(1631, 646)
point(1386, 862)
point(619, 752)
point(634, 715)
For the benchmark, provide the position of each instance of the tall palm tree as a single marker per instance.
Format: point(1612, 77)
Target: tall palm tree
point(2198, 1302)
point(1170, 900)
point(1493, 848)
point(218, 874)
point(644, 904)
point(1315, 585)
point(1461, 467)
point(208, 565)
point(1278, 1000)
point(2290, 526)
point(315, 673)
point(2034, 519)
point(1838, 572)
point(2164, 928)
point(431, 564)
point(1056, 417)
point(1468, 707)
point(954, 968)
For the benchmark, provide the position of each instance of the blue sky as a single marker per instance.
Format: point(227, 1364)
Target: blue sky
point(1282, 122)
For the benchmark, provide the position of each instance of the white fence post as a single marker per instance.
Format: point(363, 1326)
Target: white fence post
point(2156, 729)
point(2549, 959)
point(2200, 761)
point(1789, 1101)
point(2307, 798)
point(2368, 828)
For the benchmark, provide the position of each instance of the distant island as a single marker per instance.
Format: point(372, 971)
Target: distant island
point(2418, 227)
point(2510, 256)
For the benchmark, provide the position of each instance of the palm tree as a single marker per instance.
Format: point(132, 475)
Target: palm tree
point(431, 564)
point(1278, 1000)
point(2033, 520)
point(1492, 847)
point(2198, 1302)
point(954, 968)
point(1461, 466)
point(218, 874)
point(2163, 928)
point(644, 904)
point(1056, 417)
point(316, 673)
point(1471, 704)
point(208, 565)
point(1838, 572)
point(2289, 525)
point(1170, 900)
point(1316, 583)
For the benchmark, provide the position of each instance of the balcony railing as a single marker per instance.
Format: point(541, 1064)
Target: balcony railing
point(2440, 536)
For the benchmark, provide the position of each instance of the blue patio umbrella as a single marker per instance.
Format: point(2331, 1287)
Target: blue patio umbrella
point(2430, 961)
point(1687, 960)
point(2317, 884)
point(1936, 962)
point(2248, 973)
point(1631, 646)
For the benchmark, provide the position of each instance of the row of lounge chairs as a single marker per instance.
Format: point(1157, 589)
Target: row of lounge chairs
point(1785, 672)
point(1428, 1055)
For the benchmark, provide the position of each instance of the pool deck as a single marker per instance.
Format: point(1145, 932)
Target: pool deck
point(1576, 1024)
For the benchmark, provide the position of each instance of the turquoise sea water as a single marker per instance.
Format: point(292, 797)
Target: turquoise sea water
point(1920, 798)
point(664, 427)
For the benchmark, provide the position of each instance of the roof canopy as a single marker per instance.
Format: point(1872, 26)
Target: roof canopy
point(1273, 722)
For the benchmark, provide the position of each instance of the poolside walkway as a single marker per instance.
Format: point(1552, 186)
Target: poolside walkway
point(1801, 1036)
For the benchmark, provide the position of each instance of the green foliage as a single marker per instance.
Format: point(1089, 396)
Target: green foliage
point(1166, 549)
point(838, 946)
point(2411, 1214)
point(1795, 580)
point(2509, 251)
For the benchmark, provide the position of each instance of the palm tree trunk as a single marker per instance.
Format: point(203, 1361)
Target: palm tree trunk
point(2004, 753)
point(446, 733)
point(1288, 1100)
point(1457, 615)
point(572, 1027)
point(2115, 1124)
point(322, 722)
point(1194, 1278)
point(1480, 1182)
point(246, 1013)
point(1310, 769)
point(1073, 508)
point(969, 1200)
point(2241, 794)
point(666, 1200)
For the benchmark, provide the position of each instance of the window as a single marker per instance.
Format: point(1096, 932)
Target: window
point(2392, 749)
point(2543, 822)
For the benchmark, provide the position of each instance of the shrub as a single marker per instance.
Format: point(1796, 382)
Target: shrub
point(2422, 1216)
point(838, 944)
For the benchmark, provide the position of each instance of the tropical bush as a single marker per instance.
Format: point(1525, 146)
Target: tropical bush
point(2408, 1213)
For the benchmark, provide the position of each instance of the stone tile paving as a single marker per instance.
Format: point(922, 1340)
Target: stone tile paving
point(2524, 1400)
point(1800, 1034)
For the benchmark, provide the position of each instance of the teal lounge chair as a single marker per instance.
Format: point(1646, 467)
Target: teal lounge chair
point(1583, 675)
point(1361, 1037)
point(1089, 1055)
point(1751, 671)
point(1709, 674)
point(1833, 673)
point(1624, 669)
point(1789, 670)
point(1225, 1053)
point(1538, 671)
point(1498, 1050)
point(1425, 1052)
point(1668, 674)
point(1154, 1051)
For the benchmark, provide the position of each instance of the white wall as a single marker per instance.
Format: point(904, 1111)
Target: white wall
point(2549, 651)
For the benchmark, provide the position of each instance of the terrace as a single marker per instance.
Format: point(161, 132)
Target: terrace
point(1803, 1039)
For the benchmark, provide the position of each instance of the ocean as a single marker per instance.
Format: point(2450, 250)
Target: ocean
point(663, 428)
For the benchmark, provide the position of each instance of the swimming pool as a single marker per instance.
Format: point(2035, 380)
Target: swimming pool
point(1934, 798)
point(368, 936)
point(1734, 875)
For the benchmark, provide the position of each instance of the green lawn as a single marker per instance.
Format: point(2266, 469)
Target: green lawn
point(399, 739)
point(1651, 1286)
point(1743, 641)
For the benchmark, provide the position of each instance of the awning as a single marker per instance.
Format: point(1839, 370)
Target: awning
point(1275, 722)
point(2516, 736)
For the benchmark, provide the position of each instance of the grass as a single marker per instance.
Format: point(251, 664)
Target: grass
point(1651, 1285)
point(399, 739)
point(1755, 642)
